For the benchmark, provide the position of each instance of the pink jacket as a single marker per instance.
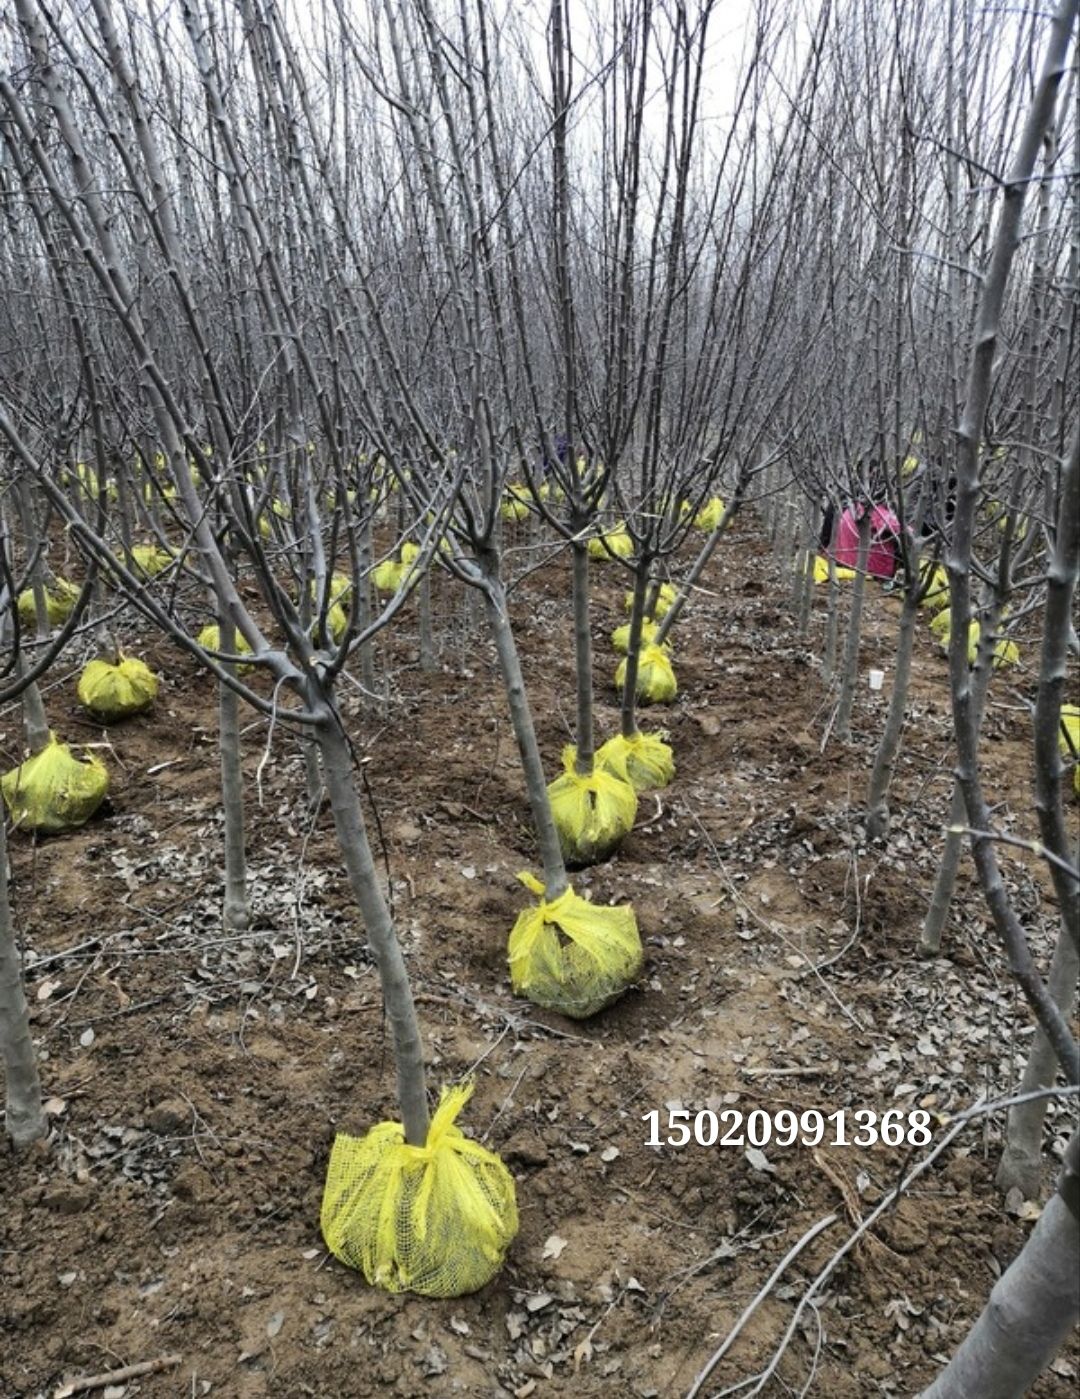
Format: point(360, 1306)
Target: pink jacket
point(883, 558)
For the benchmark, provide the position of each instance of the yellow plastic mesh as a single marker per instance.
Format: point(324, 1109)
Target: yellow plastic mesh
point(710, 514)
point(387, 575)
point(937, 591)
point(1069, 734)
point(620, 637)
point(571, 956)
point(149, 559)
point(115, 691)
point(616, 541)
point(821, 571)
point(515, 507)
point(59, 600)
point(645, 760)
point(393, 574)
point(278, 508)
point(1069, 740)
point(210, 640)
point(434, 1219)
point(1006, 653)
point(656, 683)
point(664, 600)
point(941, 625)
point(53, 791)
point(592, 814)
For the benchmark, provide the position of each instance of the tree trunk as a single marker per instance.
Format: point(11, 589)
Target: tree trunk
point(382, 940)
point(362, 603)
point(697, 568)
point(832, 626)
point(1032, 1309)
point(24, 1120)
point(806, 585)
point(586, 741)
point(427, 639)
point(555, 877)
point(877, 801)
point(937, 915)
point(35, 720)
point(1021, 1161)
point(236, 914)
point(628, 711)
point(851, 648)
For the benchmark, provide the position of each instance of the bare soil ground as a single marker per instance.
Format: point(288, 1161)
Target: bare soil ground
point(196, 1080)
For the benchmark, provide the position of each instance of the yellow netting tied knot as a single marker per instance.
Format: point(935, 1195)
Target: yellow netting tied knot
point(115, 691)
point(645, 760)
point(435, 1219)
point(60, 598)
point(53, 791)
point(620, 637)
point(569, 955)
point(592, 814)
point(665, 598)
point(615, 542)
point(656, 683)
point(210, 640)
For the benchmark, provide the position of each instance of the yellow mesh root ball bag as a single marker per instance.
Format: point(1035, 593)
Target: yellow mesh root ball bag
point(278, 508)
point(393, 574)
point(1069, 730)
point(710, 514)
point(210, 640)
point(150, 560)
point(337, 620)
point(435, 1219)
point(645, 760)
point(656, 683)
point(115, 691)
point(59, 600)
point(937, 591)
point(409, 554)
point(571, 956)
point(615, 541)
point(340, 590)
point(665, 598)
point(620, 637)
point(54, 792)
point(387, 576)
point(514, 507)
point(941, 625)
point(592, 814)
point(1006, 653)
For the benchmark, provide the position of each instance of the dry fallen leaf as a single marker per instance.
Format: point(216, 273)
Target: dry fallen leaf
point(583, 1353)
point(553, 1247)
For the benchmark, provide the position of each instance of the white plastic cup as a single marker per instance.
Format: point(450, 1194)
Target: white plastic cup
point(877, 679)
